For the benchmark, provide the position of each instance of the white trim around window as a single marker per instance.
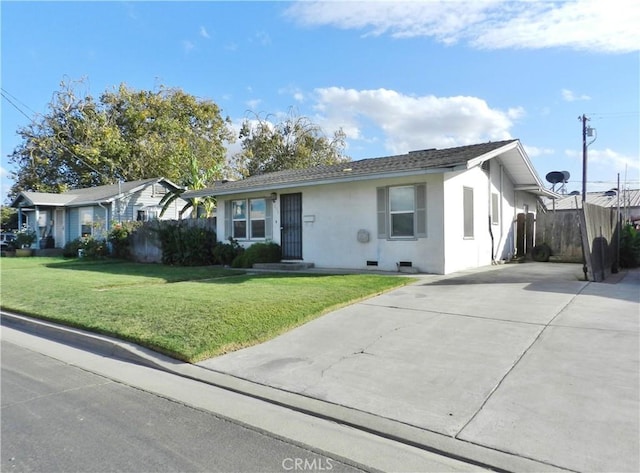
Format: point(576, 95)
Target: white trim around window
point(248, 219)
point(467, 210)
point(402, 212)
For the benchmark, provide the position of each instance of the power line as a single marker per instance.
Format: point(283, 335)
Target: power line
point(3, 92)
point(15, 106)
point(18, 100)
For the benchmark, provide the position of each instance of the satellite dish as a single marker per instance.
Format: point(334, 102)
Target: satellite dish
point(555, 176)
point(575, 193)
point(566, 176)
point(610, 193)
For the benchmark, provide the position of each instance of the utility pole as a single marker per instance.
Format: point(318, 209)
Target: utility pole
point(584, 156)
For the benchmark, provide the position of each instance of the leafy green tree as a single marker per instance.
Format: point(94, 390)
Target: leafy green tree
point(124, 135)
point(8, 218)
point(293, 143)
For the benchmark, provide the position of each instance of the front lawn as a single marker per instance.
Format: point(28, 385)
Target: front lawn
point(190, 313)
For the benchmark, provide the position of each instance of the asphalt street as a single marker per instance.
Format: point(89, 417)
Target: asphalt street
point(69, 409)
point(60, 418)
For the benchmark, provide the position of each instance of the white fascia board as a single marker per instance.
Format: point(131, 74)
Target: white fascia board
point(492, 154)
point(540, 190)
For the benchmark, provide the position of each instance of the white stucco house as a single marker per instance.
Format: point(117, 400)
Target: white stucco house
point(437, 210)
point(91, 211)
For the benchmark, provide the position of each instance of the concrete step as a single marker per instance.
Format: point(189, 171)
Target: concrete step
point(284, 266)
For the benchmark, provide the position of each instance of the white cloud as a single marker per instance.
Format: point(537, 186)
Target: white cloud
point(534, 152)
point(263, 38)
point(253, 104)
point(187, 46)
point(204, 33)
point(296, 93)
point(592, 25)
point(570, 96)
point(607, 163)
point(409, 122)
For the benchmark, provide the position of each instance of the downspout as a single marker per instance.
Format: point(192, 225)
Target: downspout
point(500, 203)
point(493, 257)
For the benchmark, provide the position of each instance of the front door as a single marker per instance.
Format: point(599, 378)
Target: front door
point(291, 226)
point(59, 226)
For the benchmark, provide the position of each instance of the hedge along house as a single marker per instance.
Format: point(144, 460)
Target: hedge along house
point(438, 211)
point(91, 211)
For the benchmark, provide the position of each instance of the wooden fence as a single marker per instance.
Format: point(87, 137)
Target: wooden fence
point(588, 235)
point(561, 231)
point(145, 246)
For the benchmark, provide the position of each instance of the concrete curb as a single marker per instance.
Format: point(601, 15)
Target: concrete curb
point(388, 428)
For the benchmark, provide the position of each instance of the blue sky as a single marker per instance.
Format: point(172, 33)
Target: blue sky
point(394, 76)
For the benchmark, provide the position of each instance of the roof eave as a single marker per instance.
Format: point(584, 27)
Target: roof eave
point(213, 192)
point(491, 154)
point(538, 190)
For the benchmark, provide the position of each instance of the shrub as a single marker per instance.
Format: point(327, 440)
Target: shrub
point(70, 250)
point(225, 253)
point(25, 237)
point(120, 238)
point(258, 253)
point(185, 245)
point(629, 247)
point(91, 247)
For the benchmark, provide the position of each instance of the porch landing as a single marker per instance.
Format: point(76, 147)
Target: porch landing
point(283, 266)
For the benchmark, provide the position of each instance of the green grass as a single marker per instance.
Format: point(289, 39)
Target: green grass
point(190, 313)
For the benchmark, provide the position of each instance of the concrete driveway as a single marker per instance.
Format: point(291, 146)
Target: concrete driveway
point(525, 359)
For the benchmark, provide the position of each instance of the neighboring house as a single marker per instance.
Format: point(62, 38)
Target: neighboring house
point(92, 211)
point(628, 200)
point(438, 211)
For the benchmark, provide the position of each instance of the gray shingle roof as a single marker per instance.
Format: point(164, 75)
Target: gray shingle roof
point(389, 165)
point(88, 195)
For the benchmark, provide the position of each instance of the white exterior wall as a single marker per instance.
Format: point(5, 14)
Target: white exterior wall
point(464, 253)
point(460, 252)
point(332, 215)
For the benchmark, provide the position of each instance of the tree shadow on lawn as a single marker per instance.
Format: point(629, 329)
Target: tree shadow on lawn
point(173, 274)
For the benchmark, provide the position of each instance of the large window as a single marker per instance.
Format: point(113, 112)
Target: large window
point(402, 211)
point(249, 219)
point(467, 203)
point(86, 221)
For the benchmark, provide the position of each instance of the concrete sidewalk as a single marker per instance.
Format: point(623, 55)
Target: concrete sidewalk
point(516, 367)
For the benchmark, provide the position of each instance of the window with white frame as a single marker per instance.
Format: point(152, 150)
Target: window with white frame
point(257, 218)
point(86, 221)
point(402, 211)
point(467, 204)
point(248, 217)
point(402, 207)
point(146, 214)
point(495, 208)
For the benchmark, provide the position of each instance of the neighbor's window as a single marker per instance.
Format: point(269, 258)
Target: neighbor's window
point(86, 221)
point(402, 211)
point(144, 215)
point(467, 203)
